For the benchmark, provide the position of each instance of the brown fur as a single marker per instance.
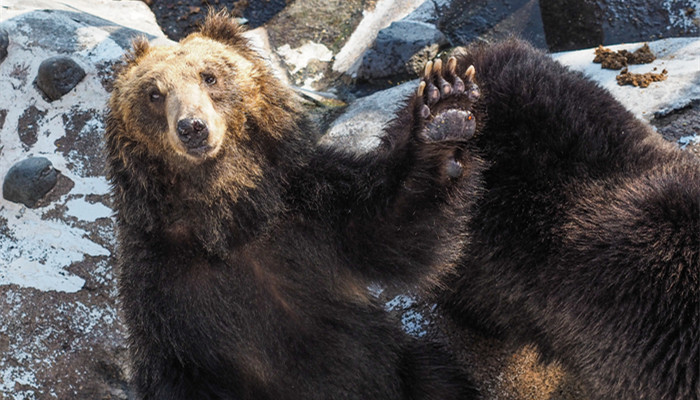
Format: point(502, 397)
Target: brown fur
point(586, 240)
point(244, 259)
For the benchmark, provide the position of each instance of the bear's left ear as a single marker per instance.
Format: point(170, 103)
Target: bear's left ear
point(221, 27)
point(139, 47)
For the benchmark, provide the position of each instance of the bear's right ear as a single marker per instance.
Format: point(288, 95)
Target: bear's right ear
point(139, 47)
point(222, 27)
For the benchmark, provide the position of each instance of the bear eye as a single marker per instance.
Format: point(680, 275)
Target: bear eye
point(209, 79)
point(155, 95)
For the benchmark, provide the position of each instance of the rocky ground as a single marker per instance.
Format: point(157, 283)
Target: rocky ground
point(352, 60)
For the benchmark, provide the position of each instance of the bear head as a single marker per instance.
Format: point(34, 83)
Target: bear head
point(183, 103)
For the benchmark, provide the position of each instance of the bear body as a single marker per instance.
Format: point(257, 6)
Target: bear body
point(586, 239)
point(245, 251)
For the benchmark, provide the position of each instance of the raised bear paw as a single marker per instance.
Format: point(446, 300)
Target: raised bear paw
point(444, 102)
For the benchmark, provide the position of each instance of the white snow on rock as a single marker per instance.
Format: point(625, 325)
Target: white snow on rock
point(679, 16)
point(683, 141)
point(133, 14)
point(82, 210)
point(679, 56)
point(36, 249)
point(300, 57)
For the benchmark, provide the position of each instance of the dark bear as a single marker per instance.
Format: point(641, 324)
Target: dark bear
point(586, 238)
point(245, 250)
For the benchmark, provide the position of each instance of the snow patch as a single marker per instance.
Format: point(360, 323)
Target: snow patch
point(413, 322)
point(300, 57)
point(81, 209)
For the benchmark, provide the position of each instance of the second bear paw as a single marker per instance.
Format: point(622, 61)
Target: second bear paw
point(444, 104)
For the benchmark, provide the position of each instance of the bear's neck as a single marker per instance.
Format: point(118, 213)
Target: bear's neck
point(203, 206)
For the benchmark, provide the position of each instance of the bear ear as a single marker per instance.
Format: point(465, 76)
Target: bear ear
point(139, 47)
point(222, 27)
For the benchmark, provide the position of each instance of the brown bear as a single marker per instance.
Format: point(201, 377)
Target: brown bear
point(245, 250)
point(586, 238)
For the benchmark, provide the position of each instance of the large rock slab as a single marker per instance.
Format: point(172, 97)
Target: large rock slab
point(577, 24)
point(60, 335)
point(679, 56)
point(489, 20)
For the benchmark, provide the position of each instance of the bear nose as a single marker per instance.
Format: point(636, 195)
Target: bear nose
point(192, 132)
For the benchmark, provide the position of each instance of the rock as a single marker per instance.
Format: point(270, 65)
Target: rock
point(58, 75)
point(4, 43)
point(61, 336)
point(29, 180)
point(489, 20)
point(679, 56)
point(396, 45)
point(681, 125)
point(571, 25)
point(577, 24)
point(384, 12)
point(117, 16)
point(358, 128)
point(428, 12)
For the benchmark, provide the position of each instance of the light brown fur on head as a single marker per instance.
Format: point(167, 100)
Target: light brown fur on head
point(212, 76)
point(251, 120)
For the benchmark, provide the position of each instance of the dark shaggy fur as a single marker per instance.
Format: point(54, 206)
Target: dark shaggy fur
point(586, 240)
point(243, 272)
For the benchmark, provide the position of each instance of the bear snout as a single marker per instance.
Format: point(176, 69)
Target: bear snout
point(193, 133)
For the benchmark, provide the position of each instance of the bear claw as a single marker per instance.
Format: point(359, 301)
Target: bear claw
point(454, 168)
point(441, 82)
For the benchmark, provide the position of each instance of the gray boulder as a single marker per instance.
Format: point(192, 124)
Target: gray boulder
point(576, 24)
point(359, 128)
point(29, 180)
point(396, 45)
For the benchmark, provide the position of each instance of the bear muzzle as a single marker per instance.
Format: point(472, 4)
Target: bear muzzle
point(193, 134)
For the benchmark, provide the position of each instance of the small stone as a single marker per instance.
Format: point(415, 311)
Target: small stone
point(4, 43)
point(58, 75)
point(29, 180)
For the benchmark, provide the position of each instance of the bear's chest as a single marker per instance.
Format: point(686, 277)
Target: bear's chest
point(216, 299)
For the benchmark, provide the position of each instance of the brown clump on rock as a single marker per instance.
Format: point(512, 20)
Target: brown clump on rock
point(619, 59)
point(609, 59)
point(640, 80)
